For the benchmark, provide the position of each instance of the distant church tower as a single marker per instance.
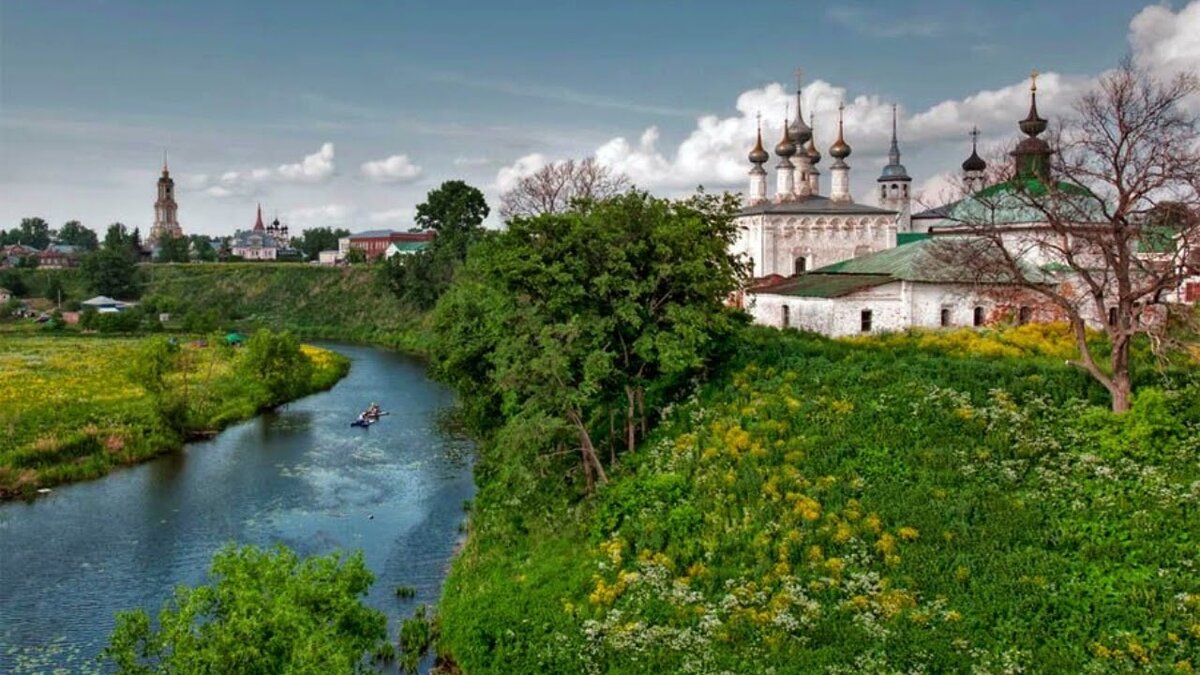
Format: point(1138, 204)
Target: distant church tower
point(894, 182)
point(165, 222)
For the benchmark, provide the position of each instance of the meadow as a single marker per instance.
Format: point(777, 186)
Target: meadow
point(922, 502)
point(72, 408)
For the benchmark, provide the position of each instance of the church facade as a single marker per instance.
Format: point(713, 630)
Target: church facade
point(828, 264)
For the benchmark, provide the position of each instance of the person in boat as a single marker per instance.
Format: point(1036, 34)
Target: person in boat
point(374, 410)
point(362, 417)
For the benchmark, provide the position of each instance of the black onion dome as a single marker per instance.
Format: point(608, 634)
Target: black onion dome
point(974, 162)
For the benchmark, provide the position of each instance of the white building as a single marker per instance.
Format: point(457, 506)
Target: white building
point(827, 264)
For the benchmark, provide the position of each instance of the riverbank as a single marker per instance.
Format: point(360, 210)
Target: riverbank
point(956, 502)
point(72, 408)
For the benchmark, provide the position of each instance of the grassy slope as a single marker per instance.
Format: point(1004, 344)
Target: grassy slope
point(68, 410)
point(311, 301)
point(352, 304)
point(875, 507)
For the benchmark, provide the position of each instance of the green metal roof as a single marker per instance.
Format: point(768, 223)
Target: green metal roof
point(909, 237)
point(817, 285)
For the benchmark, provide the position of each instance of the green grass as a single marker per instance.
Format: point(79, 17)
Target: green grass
point(70, 410)
point(910, 504)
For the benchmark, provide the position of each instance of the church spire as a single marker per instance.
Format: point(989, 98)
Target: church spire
point(258, 223)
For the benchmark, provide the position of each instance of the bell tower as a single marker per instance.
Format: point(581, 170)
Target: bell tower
point(166, 223)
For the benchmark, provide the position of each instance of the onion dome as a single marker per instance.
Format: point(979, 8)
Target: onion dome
point(787, 145)
point(1032, 154)
point(801, 132)
point(840, 149)
point(758, 155)
point(814, 155)
point(974, 162)
point(1033, 125)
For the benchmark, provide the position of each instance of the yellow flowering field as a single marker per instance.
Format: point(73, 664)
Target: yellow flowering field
point(911, 504)
point(70, 407)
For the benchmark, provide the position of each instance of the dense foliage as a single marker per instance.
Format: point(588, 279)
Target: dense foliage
point(568, 321)
point(76, 407)
point(456, 212)
point(885, 506)
point(264, 612)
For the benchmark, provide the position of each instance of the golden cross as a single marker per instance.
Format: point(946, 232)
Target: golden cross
point(799, 78)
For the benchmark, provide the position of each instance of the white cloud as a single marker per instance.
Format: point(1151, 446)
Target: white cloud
point(314, 168)
point(399, 216)
point(394, 169)
point(508, 176)
point(1167, 42)
point(320, 216)
point(470, 162)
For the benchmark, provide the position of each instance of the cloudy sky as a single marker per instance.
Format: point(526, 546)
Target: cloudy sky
point(347, 113)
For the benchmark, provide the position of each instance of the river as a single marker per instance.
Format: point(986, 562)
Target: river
point(299, 476)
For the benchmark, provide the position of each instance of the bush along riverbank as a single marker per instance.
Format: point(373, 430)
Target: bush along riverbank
point(73, 408)
point(951, 502)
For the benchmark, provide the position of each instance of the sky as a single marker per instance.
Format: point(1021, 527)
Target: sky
point(347, 113)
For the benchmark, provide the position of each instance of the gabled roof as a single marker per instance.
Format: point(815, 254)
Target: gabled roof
point(102, 301)
point(1008, 203)
point(919, 261)
point(816, 204)
point(818, 285)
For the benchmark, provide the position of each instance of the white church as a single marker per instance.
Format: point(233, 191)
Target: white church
point(823, 262)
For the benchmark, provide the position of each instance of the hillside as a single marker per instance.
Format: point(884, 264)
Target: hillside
point(924, 503)
point(351, 303)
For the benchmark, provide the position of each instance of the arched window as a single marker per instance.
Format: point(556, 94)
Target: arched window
point(801, 265)
point(904, 189)
point(1024, 315)
point(945, 317)
point(865, 320)
point(883, 192)
point(787, 316)
point(1112, 316)
point(978, 316)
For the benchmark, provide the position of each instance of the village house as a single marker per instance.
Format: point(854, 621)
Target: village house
point(13, 254)
point(5, 295)
point(59, 256)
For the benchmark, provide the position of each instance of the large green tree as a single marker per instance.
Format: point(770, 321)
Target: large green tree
point(456, 212)
point(609, 306)
point(34, 232)
point(173, 250)
point(73, 233)
point(202, 248)
point(277, 362)
point(264, 612)
point(110, 272)
point(316, 239)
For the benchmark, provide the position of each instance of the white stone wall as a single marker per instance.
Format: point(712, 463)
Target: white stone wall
point(773, 242)
point(894, 306)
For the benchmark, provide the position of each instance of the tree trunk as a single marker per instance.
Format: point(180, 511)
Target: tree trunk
point(587, 451)
point(630, 425)
point(641, 394)
point(1121, 387)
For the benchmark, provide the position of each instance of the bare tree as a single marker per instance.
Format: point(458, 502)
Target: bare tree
point(1105, 226)
point(555, 186)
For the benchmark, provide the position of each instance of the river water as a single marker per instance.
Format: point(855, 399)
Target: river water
point(300, 476)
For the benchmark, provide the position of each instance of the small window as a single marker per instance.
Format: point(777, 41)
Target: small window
point(1024, 315)
point(945, 318)
point(801, 265)
point(1112, 316)
point(978, 317)
point(866, 320)
point(883, 192)
point(787, 316)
